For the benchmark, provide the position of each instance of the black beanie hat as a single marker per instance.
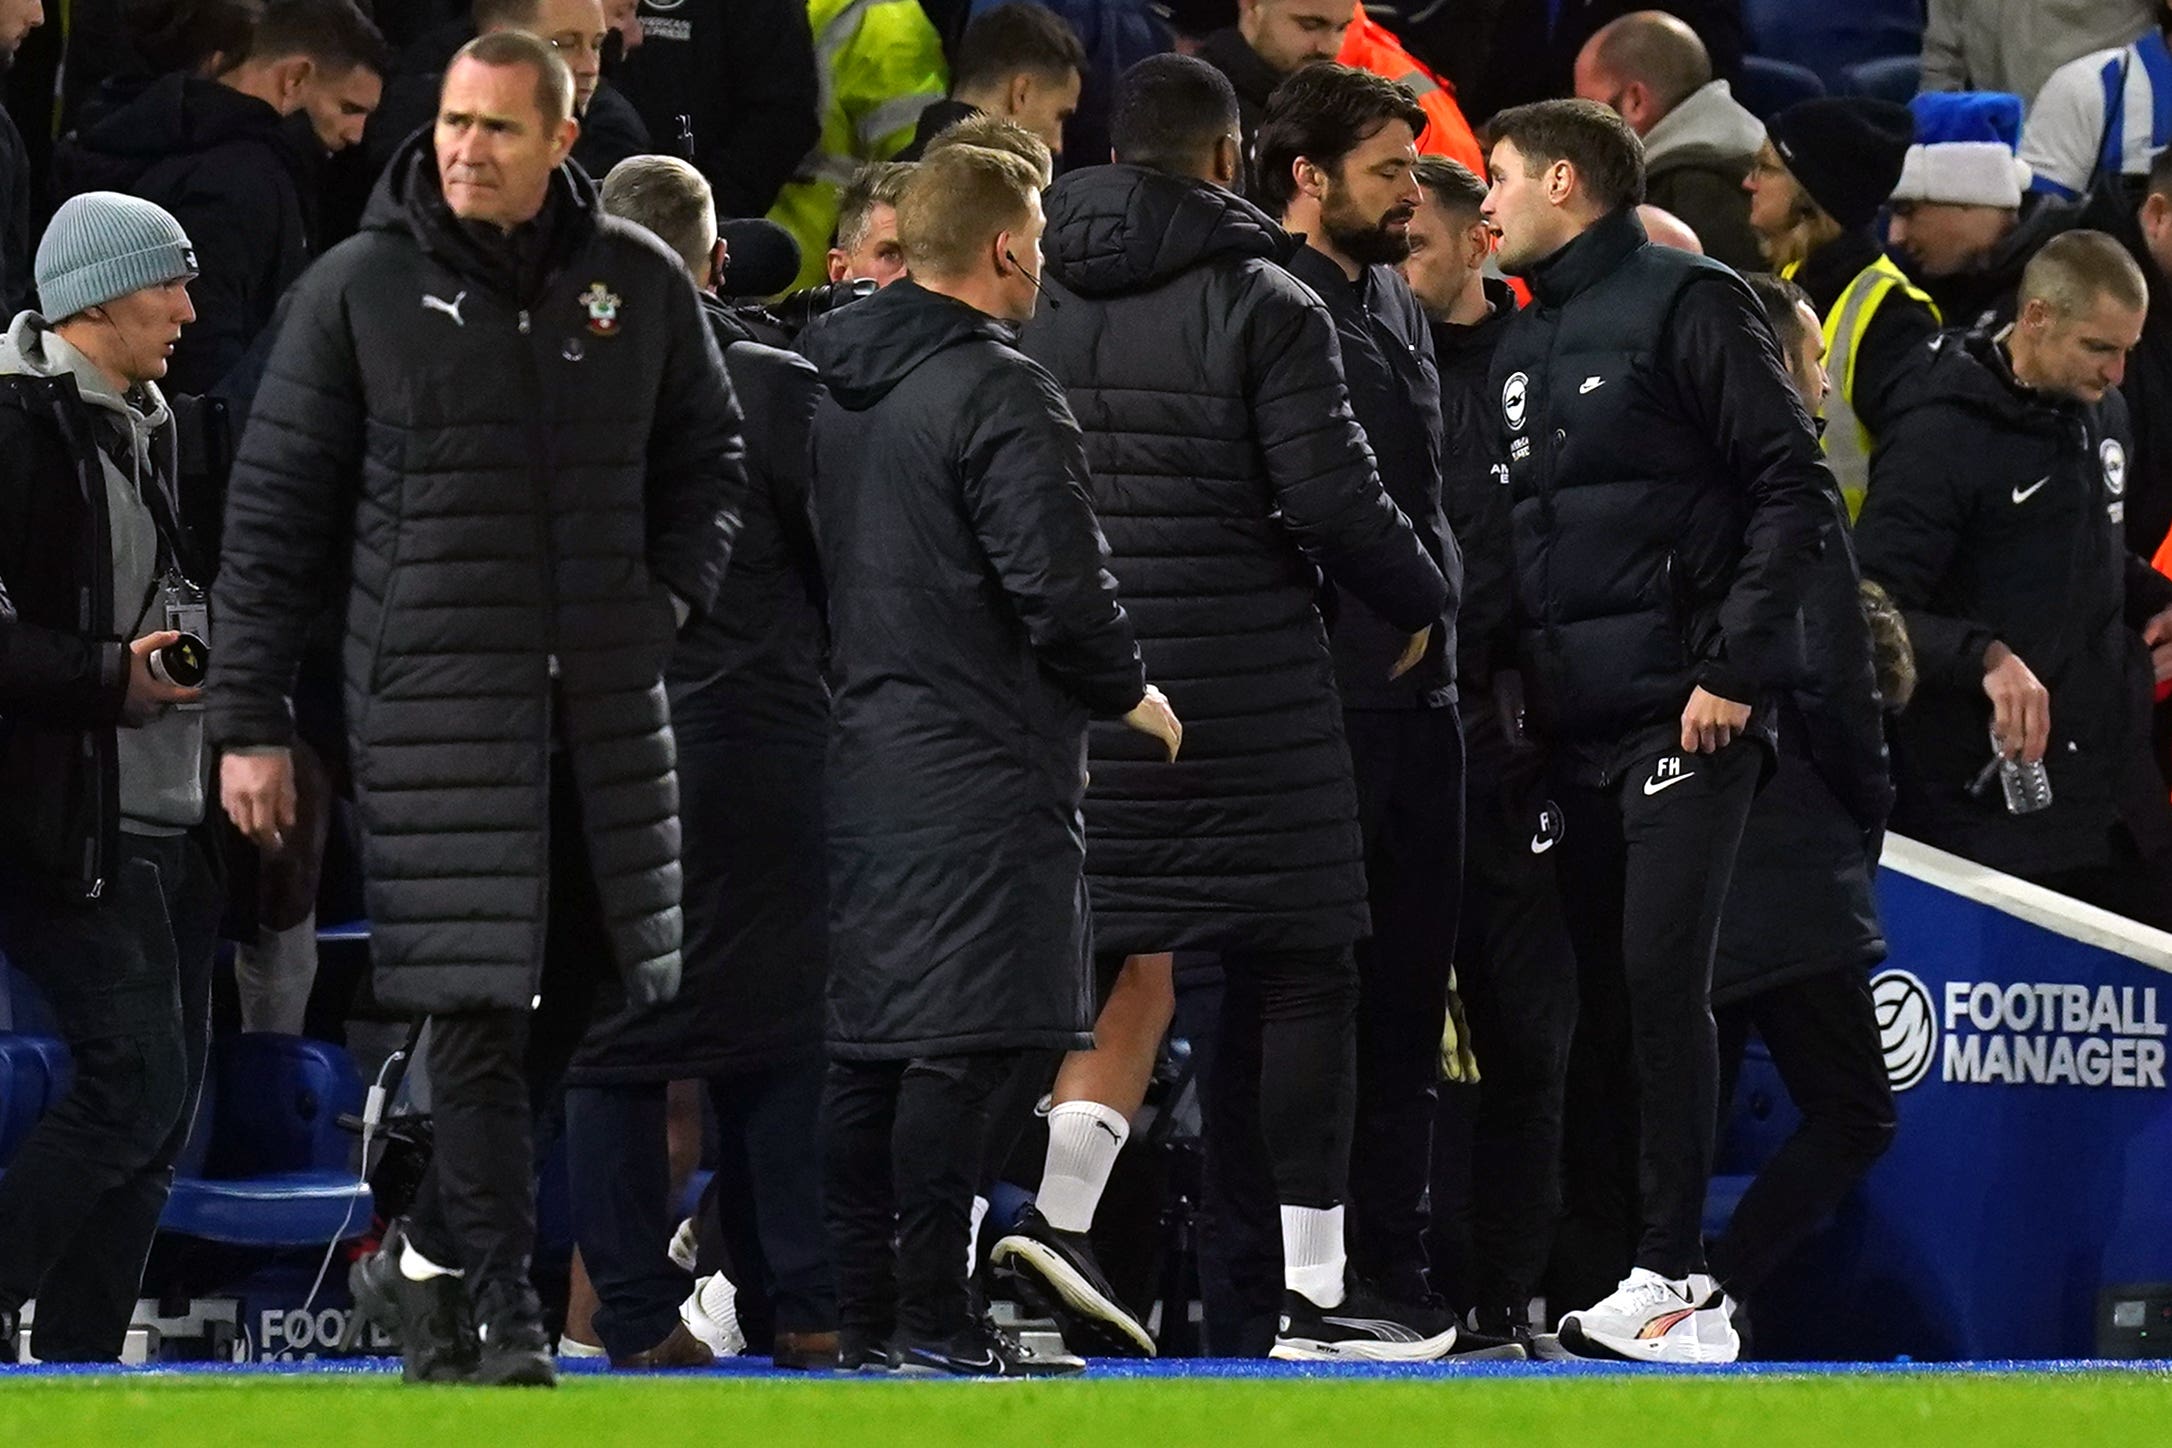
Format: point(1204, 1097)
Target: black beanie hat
point(1846, 151)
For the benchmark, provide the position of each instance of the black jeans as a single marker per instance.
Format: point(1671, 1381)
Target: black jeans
point(1497, 1174)
point(1278, 1092)
point(905, 1149)
point(1822, 1032)
point(1645, 862)
point(1409, 767)
point(769, 1202)
point(494, 1075)
point(129, 978)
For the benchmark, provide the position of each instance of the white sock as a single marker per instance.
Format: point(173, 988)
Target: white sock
point(275, 975)
point(1083, 1140)
point(1312, 1256)
point(972, 1236)
point(417, 1268)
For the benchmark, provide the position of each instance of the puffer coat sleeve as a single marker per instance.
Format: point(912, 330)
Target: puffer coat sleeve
point(287, 510)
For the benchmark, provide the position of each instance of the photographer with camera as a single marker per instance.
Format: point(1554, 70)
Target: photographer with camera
point(106, 899)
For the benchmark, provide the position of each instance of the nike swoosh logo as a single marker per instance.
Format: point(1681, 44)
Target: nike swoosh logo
point(1540, 844)
point(1653, 786)
point(2022, 495)
point(1591, 384)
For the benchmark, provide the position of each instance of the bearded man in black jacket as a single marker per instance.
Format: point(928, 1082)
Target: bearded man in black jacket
point(1228, 471)
point(508, 410)
point(975, 628)
point(1336, 157)
point(1656, 620)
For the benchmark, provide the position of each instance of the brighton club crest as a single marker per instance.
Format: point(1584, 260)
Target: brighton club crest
point(603, 305)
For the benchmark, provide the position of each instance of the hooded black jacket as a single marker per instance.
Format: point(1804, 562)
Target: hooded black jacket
point(1983, 297)
point(1668, 491)
point(1227, 471)
point(520, 442)
point(1996, 513)
point(974, 628)
point(1388, 365)
point(751, 719)
point(233, 175)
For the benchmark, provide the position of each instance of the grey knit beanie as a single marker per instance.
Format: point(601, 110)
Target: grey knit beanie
point(103, 245)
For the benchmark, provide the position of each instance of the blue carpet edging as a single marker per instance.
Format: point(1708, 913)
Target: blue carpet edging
point(1191, 1369)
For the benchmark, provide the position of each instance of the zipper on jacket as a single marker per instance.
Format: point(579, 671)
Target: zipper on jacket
point(546, 556)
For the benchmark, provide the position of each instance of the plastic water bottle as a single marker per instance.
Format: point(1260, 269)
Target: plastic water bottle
point(2027, 786)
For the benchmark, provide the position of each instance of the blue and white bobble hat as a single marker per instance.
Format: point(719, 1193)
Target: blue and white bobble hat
point(1964, 151)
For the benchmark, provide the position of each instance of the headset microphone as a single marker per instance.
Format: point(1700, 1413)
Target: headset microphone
point(1046, 296)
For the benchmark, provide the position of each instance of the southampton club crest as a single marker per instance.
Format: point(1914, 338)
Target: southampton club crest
point(603, 305)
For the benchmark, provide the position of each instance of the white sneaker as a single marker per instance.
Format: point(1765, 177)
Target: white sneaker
point(685, 1243)
point(1649, 1319)
point(573, 1349)
point(711, 1313)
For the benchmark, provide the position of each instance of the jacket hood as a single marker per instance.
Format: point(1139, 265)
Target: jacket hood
point(1119, 229)
point(1970, 370)
point(1229, 52)
point(1711, 120)
point(408, 200)
point(176, 115)
point(868, 348)
point(31, 348)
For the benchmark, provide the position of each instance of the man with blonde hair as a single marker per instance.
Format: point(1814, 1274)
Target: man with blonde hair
point(1996, 521)
point(974, 631)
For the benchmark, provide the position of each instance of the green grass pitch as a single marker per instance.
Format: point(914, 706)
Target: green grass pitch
point(335, 1411)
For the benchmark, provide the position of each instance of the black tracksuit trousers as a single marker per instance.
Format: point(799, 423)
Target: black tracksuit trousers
point(493, 1076)
point(905, 1149)
point(1409, 765)
point(1645, 861)
point(1822, 1034)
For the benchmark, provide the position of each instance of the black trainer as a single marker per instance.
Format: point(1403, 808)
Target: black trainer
point(981, 1351)
point(516, 1349)
point(862, 1351)
point(1058, 1269)
point(1365, 1327)
point(430, 1321)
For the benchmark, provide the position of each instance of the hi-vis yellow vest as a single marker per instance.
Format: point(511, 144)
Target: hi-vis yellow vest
point(879, 64)
point(1847, 441)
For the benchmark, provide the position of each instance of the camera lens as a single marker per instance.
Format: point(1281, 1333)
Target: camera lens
point(182, 663)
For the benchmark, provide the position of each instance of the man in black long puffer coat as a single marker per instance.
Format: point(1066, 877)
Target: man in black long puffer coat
point(509, 410)
point(974, 630)
point(1229, 472)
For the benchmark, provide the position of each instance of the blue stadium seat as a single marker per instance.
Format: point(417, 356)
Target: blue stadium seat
point(1769, 87)
point(1894, 78)
point(33, 1074)
point(1828, 36)
point(267, 1164)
